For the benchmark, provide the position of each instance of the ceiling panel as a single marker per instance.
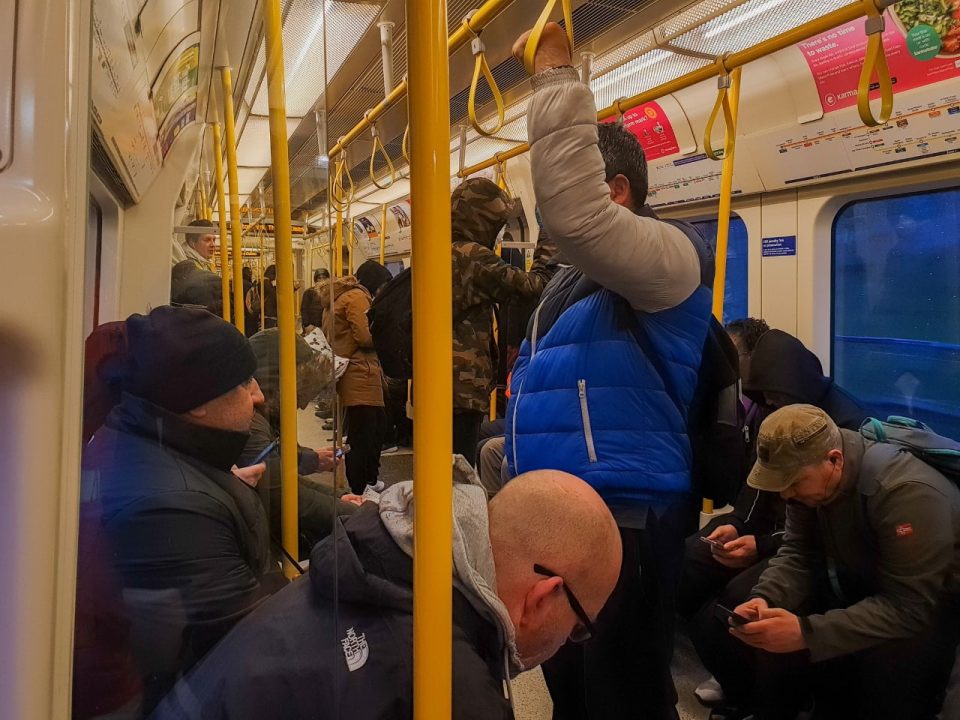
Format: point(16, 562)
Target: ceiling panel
point(254, 146)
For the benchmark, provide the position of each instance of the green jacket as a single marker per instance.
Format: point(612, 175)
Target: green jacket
point(481, 280)
point(891, 536)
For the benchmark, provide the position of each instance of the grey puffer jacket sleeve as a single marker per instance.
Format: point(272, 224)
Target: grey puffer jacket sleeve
point(651, 264)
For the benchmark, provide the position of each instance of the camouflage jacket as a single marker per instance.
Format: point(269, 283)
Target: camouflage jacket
point(481, 280)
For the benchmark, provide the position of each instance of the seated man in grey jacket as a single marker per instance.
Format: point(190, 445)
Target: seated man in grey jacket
point(860, 606)
point(531, 570)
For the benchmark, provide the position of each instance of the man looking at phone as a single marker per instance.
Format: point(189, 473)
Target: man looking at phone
point(860, 606)
point(182, 538)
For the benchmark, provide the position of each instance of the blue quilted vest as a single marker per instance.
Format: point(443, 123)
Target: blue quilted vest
point(587, 399)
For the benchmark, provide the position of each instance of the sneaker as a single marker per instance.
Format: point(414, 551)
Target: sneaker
point(709, 693)
point(389, 448)
point(378, 486)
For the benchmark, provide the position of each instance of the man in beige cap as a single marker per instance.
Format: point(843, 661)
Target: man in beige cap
point(860, 606)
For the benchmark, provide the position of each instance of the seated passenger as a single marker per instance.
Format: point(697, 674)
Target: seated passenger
point(317, 502)
point(861, 605)
point(531, 570)
point(361, 387)
point(187, 540)
point(479, 212)
point(196, 288)
point(605, 379)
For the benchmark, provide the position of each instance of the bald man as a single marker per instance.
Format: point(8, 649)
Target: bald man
point(531, 571)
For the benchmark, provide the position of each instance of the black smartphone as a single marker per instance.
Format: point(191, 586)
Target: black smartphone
point(341, 451)
point(266, 451)
point(712, 543)
point(725, 613)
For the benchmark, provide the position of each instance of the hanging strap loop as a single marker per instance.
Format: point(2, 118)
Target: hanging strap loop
point(340, 196)
point(722, 103)
point(875, 61)
point(378, 147)
point(502, 175)
point(405, 144)
point(481, 65)
point(533, 42)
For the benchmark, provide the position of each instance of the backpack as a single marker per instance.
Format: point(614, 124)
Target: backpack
point(252, 301)
point(391, 324)
point(939, 452)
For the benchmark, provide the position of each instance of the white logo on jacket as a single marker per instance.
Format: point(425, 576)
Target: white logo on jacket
point(355, 650)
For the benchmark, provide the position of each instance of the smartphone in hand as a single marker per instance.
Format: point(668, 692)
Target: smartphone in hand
point(265, 452)
point(712, 543)
point(737, 619)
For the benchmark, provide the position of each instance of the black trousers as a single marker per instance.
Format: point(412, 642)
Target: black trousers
point(365, 428)
point(896, 680)
point(466, 433)
point(624, 671)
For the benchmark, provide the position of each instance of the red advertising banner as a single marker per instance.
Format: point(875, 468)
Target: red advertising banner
point(836, 57)
point(650, 124)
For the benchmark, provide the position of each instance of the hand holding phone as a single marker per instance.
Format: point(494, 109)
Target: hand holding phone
point(264, 453)
point(712, 543)
point(732, 617)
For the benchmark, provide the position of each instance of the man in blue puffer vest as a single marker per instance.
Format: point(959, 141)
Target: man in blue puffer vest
point(605, 379)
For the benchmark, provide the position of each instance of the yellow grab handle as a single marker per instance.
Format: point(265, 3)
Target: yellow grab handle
point(339, 197)
point(502, 177)
point(405, 144)
point(481, 65)
point(533, 42)
point(875, 61)
point(722, 103)
point(378, 147)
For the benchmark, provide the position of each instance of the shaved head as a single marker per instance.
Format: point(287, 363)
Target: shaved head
point(556, 520)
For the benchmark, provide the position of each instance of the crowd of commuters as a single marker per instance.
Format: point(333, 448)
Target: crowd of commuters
point(831, 588)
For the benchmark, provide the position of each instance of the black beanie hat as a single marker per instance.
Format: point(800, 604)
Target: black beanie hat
point(181, 358)
point(372, 275)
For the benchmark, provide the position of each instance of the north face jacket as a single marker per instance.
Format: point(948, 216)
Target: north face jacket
point(188, 541)
point(479, 210)
point(339, 644)
point(603, 388)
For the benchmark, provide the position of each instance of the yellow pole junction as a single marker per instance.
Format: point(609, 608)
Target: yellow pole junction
point(726, 192)
point(831, 20)
point(236, 221)
point(222, 219)
point(283, 249)
point(464, 33)
point(429, 105)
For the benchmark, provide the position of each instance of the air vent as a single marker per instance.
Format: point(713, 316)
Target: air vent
point(104, 169)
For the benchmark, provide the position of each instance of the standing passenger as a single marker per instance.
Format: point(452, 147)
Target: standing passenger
point(605, 379)
point(199, 247)
point(361, 387)
point(311, 307)
point(479, 211)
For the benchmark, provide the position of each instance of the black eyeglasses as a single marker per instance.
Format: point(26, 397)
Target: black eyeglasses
point(587, 629)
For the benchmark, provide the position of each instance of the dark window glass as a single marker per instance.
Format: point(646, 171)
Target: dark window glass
point(896, 306)
point(735, 288)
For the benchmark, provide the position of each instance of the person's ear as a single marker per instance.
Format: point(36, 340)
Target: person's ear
point(620, 190)
point(835, 458)
point(538, 602)
point(198, 412)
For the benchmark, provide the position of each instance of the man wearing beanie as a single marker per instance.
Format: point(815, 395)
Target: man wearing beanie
point(859, 608)
point(183, 532)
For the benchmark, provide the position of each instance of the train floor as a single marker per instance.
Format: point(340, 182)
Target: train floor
point(531, 699)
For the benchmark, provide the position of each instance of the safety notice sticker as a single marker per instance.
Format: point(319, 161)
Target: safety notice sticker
point(779, 246)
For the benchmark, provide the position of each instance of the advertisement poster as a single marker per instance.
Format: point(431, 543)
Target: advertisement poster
point(651, 126)
point(175, 93)
point(918, 53)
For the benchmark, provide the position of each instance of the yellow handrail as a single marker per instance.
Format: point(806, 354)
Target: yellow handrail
point(481, 65)
point(726, 191)
point(533, 41)
point(283, 250)
point(845, 14)
point(222, 220)
point(378, 147)
point(383, 231)
point(432, 298)
point(874, 61)
point(405, 144)
point(723, 102)
point(460, 37)
point(236, 221)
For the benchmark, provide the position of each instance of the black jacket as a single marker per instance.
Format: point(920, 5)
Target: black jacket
point(340, 644)
point(187, 540)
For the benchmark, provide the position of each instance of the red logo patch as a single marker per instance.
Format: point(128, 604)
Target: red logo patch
point(905, 530)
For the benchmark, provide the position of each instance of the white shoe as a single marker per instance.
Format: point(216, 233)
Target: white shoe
point(709, 692)
point(378, 486)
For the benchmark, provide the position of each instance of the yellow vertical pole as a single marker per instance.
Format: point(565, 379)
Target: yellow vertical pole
point(236, 221)
point(383, 231)
point(283, 248)
point(726, 191)
point(222, 219)
point(262, 264)
point(338, 245)
point(348, 225)
point(429, 103)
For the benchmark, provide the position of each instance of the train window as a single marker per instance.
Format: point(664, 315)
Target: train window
point(735, 288)
point(896, 305)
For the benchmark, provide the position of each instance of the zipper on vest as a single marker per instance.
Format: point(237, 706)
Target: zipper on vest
point(585, 416)
point(513, 424)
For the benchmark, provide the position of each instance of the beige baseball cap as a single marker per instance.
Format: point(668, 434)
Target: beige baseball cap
point(790, 439)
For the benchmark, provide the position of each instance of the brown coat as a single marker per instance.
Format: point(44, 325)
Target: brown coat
point(362, 383)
